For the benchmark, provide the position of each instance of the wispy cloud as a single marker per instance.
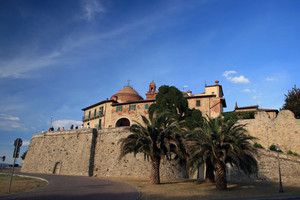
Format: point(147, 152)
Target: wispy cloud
point(247, 90)
point(12, 126)
point(270, 79)
point(21, 66)
point(9, 117)
point(235, 79)
point(91, 8)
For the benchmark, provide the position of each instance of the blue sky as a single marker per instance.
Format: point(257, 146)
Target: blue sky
point(57, 57)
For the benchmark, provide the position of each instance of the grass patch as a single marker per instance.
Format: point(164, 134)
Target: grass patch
point(19, 184)
point(192, 189)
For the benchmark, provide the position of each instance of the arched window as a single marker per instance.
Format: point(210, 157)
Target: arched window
point(123, 122)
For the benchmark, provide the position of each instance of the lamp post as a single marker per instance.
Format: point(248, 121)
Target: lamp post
point(280, 182)
point(51, 121)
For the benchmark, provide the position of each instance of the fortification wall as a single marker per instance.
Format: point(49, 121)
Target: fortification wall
point(67, 151)
point(90, 152)
point(269, 169)
point(284, 130)
point(107, 161)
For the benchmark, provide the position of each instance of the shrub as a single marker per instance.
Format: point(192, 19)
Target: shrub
point(273, 148)
point(257, 145)
point(292, 153)
point(239, 115)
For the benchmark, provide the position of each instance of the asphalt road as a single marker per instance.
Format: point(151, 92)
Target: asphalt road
point(63, 187)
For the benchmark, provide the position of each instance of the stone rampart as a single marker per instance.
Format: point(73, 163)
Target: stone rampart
point(284, 130)
point(61, 152)
point(269, 168)
point(96, 152)
point(107, 161)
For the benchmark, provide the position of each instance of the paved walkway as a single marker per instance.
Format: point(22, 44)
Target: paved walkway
point(63, 187)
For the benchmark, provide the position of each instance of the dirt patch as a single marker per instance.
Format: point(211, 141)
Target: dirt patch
point(193, 189)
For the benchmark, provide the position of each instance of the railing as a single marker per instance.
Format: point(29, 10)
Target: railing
point(86, 118)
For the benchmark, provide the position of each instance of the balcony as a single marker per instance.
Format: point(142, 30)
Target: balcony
point(87, 118)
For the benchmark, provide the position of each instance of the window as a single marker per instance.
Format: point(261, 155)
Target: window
point(95, 112)
point(132, 107)
point(99, 125)
point(89, 114)
point(146, 106)
point(119, 109)
point(101, 110)
point(198, 103)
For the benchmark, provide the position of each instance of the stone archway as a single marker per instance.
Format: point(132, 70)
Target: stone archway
point(123, 122)
point(57, 168)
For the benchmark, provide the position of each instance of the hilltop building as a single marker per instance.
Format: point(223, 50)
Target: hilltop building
point(127, 106)
point(272, 113)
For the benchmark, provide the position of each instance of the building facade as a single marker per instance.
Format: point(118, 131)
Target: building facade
point(127, 106)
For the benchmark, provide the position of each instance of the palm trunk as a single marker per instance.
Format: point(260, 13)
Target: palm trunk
point(221, 182)
point(209, 172)
point(154, 177)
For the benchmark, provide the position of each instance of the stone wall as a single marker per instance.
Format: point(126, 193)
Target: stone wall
point(284, 130)
point(96, 152)
point(269, 169)
point(107, 161)
point(62, 152)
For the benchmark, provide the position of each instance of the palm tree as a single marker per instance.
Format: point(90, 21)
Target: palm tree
point(156, 138)
point(222, 140)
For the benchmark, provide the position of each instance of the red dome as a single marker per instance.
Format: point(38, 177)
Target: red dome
point(126, 94)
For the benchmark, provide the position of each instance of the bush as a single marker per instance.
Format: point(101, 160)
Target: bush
point(273, 148)
point(257, 145)
point(239, 115)
point(292, 153)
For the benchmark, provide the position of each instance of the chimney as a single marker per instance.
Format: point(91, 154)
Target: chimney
point(236, 105)
point(217, 82)
point(189, 93)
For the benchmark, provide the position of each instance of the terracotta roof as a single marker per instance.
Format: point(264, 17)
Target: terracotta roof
point(127, 94)
point(247, 107)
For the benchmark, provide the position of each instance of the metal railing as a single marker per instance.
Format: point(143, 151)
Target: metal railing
point(86, 118)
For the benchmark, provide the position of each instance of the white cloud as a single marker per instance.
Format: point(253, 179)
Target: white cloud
point(24, 64)
point(66, 123)
point(91, 8)
point(26, 143)
point(235, 79)
point(226, 73)
point(12, 126)
point(9, 117)
point(247, 90)
point(270, 79)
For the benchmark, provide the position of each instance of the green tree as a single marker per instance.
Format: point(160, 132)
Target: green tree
point(220, 141)
point(24, 155)
point(292, 101)
point(155, 138)
point(170, 99)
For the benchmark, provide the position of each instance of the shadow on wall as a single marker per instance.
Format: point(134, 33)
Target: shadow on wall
point(57, 167)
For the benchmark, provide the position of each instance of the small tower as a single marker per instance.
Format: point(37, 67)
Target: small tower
point(151, 94)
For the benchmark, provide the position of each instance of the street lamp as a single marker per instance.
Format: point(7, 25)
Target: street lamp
point(51, 121)
point(280, 182)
